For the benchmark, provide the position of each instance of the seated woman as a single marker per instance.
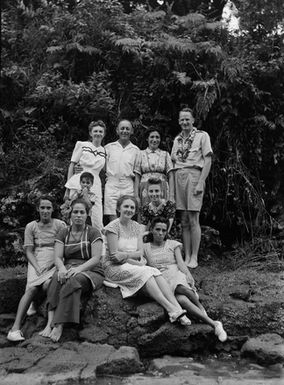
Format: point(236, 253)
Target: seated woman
point(157, 207)
point(165, 255)
point(39, 248)
point(125, 266)
point(77, 252)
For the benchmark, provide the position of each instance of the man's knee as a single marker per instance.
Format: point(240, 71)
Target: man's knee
point(184, 220)
point(193, 218)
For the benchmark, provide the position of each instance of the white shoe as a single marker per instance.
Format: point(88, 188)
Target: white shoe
point(220, 332)
point(31, 310)
point(184, 321)
point(15, 336)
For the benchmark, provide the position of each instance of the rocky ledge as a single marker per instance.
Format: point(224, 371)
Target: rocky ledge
point(115, 333)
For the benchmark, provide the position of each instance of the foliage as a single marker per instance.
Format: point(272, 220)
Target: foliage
point(66, 63)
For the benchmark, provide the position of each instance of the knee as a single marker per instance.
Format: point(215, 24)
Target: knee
point(193, 219)
point(182, 300)
point(184, 220)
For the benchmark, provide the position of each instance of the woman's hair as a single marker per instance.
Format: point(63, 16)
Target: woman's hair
point(96, 123)
point(150, 130)
point(45, 198)
point(124, 198)
point(154, 181)
point(81, 201)
point(154, 221)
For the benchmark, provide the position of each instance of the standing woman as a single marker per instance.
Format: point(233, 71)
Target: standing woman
point(39, 248)
point(153, 163)
point(125, 266)
point(77, 253)
point(92, 157)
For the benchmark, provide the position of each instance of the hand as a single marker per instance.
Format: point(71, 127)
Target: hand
point(62, 275)
point(199, 188)
point(172, 199)
point(114, 258)
point(78, 168)
point(73, 271)
point(190, 279)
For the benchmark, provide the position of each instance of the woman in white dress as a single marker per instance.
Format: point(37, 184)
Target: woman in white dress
point(165, 255)
point(91, 156)
point(125, 266)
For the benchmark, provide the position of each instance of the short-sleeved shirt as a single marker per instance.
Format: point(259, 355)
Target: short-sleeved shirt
point(167, 210)
point(149, 161)
point(81, 249)
point(121, 160)
point(37, 235)
point(199, 149)
point(89, 156)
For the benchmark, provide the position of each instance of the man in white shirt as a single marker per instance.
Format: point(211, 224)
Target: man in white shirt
point(120, 160)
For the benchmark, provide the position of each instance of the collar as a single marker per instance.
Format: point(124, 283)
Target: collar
point(148, 151)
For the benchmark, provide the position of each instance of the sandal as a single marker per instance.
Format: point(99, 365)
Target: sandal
point(176, 315)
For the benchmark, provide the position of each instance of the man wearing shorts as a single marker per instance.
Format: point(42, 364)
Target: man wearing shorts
point(191, 154)
point(120, 160)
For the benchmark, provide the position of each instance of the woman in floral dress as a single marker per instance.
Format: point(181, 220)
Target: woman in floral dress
point(125, 266)
point(157, 207)
point(153, 163)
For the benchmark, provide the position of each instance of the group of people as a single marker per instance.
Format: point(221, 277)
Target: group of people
point(70, 260)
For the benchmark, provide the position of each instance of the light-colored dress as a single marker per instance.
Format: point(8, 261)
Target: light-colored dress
point(92, 159)
point(42, 239)
point(153, 164)
point(163, 258)
point(130, 278)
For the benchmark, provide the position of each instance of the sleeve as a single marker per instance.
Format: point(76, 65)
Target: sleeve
point(112, 227)
point(94, 235)
point(107, 146)
point(174, 150)
point(174, 244)
point(169, 163)
point(138, 162)
point(77, 152)
point(61, 235)
point(29, 235)
point(144, 217)
point(170, 209)
point(206, 145)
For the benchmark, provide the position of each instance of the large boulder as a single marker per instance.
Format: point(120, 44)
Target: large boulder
point(266, 349)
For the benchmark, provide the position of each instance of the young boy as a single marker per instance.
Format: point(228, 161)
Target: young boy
point(191, 154)
point(86, 182)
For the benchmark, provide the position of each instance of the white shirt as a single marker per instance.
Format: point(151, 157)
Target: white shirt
point(120, 160)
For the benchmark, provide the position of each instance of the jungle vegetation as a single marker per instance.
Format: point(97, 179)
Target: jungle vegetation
point(67, 62)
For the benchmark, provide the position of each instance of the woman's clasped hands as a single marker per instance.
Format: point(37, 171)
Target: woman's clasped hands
point(64, 274)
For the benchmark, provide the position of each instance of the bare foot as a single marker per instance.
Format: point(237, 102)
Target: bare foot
point(46, 331)
point(56, 333)
point(192, 264)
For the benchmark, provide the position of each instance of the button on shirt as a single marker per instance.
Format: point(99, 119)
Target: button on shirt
point(121, 160)
point(201, 147)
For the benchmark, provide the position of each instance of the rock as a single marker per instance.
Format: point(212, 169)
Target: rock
point(123, 361)
point(266, 349)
